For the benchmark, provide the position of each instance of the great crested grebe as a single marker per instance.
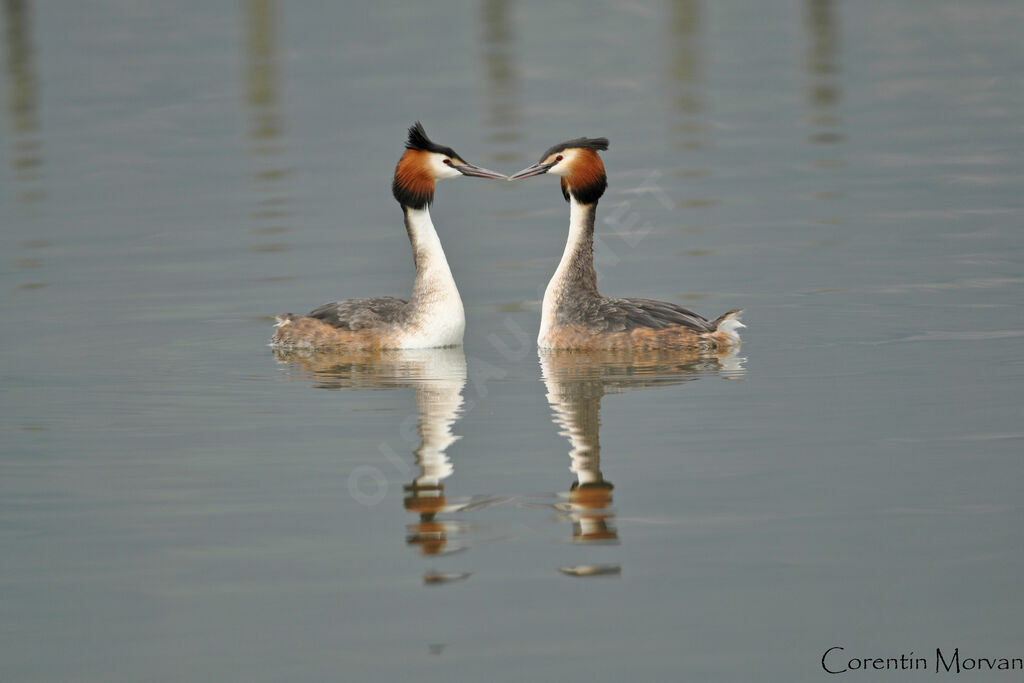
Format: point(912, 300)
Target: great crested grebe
point(574, 314)
point(433, 316)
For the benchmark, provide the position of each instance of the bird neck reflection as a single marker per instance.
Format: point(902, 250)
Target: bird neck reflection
point(438, 404)
point(575, 399)
point(576, 382)
point(437, 378)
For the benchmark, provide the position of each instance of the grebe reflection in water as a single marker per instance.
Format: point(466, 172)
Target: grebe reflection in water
point(576, 382)
point(437, 378)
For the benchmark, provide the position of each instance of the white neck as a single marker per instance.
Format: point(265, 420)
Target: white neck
point(580, 238)
point(578, 215)
point(439, 318)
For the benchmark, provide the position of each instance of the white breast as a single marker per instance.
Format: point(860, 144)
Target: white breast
point(438, 317)
point(443, 323)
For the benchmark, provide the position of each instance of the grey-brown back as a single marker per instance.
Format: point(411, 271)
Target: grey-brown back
point(605, 314)
point(361, 314)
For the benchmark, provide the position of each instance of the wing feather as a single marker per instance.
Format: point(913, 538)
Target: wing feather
point(629, 314)
point(361, 314)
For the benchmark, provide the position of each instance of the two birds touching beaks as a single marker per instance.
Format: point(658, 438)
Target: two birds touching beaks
point(574, 314)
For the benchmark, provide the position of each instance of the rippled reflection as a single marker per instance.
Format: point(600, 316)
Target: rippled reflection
point(501, 83)
point(437, 378)
point(266, 129)
point(687, 70)
point(823, 95)
point(576, 382)
point(23, 102)
point(822, 60)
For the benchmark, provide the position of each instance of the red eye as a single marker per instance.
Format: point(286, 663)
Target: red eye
point(558, 158)
point(448, 162)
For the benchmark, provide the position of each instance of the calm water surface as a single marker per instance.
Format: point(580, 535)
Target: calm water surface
point(177, 503)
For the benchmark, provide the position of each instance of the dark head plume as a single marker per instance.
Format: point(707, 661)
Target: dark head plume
point(595, 144)
point(418, 140)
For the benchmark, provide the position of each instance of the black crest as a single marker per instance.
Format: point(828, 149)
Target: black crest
point(596, 144)
point(418, 140)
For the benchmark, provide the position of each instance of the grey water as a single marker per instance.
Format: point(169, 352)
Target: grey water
point(178, 503)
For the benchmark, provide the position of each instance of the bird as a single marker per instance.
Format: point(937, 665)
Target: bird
point(574, 315)
point(433, 316)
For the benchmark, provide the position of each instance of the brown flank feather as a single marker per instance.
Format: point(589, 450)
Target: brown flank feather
point(677, 338)
point(310, 333)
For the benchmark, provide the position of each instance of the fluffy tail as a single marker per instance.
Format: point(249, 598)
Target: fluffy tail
point(730, 325)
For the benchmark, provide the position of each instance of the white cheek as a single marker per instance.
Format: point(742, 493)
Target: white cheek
point(560, 169)
point(440, 169)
